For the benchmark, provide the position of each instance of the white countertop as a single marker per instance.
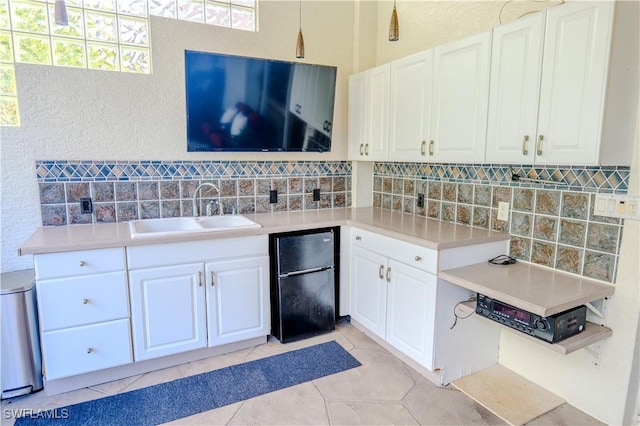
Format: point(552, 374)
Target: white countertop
point(419, 230)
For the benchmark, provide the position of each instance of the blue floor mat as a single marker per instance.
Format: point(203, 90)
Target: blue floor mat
point(191, 395)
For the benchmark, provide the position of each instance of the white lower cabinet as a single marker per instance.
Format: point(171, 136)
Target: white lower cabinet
point(83, 310)
point(237, 300)
point(397, 297)
point(394, 301)
point(411, 304)
point(187, 296)
point(168, 310)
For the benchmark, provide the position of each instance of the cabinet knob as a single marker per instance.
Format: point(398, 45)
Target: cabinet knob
point(85, 301)
point(83, 263)
point(525, 142)
point(89, 350)
point(358, 238)
point(418, 258)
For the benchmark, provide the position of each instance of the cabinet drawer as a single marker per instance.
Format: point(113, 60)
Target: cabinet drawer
point(88, 348)
point(413, 255)
point(74, 263)
point(196, 251)
point(69, 302)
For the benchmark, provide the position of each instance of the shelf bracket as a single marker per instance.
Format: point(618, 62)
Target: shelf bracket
point(595, 310)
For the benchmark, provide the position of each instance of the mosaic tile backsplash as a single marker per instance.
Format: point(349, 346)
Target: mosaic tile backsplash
point(550, 224)
point(123, 191)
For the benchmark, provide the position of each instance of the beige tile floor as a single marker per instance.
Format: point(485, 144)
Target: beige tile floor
point(382, 391)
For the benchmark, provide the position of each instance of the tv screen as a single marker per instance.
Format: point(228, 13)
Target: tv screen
point(248, 104)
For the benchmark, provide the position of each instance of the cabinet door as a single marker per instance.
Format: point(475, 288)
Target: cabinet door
point(369, 290)
point(574, 78)
point(237, 300)
point(516, 65)
point(375, 147)
point(460, 93)
point(410, 107)
point(357, 115)
point(167, 310)
point(411, 309)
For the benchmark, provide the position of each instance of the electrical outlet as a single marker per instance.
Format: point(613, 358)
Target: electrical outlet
point(86, 206)
point(420, 201)
point(316, 194)
point(273, 196)
point(503, 211)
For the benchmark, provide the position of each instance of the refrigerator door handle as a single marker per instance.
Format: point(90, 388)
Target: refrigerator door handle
point(305, 271)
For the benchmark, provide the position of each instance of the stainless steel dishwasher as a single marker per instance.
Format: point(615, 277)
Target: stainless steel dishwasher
point(304, 283)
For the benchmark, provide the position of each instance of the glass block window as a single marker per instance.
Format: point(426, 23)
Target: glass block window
point(110, 35)
point(101, 34)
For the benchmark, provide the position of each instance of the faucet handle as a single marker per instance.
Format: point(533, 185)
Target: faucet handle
point(234, 210)
point(209, 210)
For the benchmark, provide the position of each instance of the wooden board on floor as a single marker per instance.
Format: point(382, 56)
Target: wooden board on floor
point(508, 395)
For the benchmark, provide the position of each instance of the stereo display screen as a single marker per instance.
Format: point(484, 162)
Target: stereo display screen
point(512, 312)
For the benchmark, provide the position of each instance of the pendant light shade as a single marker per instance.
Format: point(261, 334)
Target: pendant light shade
point(300, 41)
point(394, 28)
point(60, 13)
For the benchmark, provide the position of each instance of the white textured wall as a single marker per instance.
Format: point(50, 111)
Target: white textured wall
point(72, 114)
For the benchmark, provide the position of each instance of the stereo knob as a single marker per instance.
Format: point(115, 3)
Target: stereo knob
point(542, 324)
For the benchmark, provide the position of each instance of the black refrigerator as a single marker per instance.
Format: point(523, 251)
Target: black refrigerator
point(304, 283)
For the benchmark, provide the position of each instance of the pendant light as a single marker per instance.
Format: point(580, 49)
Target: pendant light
point(300, 42)
point(60, 13)
point(394, 28)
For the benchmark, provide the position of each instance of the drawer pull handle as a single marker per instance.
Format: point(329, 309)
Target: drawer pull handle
point(89, 350)
point(381, 271)
point(83, 263)
point(389, 274)
point(358, 238)
point(213, 279)
point(85, 301)
point(418, 258)
point(525, 142)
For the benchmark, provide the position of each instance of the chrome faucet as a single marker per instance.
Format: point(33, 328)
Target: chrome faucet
point(194, 200)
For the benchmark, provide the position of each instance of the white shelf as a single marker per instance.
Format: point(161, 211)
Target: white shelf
point(536, 289)
point(591, 334)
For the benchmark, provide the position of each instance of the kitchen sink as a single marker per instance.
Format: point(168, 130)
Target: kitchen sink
point(145, 228)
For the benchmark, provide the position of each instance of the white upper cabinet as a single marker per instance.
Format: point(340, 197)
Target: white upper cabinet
point(460, 100)
point(410, 107)
point(369, 114)
point(563, 124)
point(516, 64)
point(574, 80)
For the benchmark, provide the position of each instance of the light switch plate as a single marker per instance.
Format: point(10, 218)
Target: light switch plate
point(616, 205)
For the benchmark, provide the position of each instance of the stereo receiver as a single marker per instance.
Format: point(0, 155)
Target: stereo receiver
point(552, 329)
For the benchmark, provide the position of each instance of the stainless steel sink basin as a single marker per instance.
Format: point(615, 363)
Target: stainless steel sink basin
point(146, 228)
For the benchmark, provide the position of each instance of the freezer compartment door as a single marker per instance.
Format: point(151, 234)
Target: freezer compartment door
point(307, 305)
point(305, 252)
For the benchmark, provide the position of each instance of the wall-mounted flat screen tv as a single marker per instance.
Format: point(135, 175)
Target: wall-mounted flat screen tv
point(248, 104)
